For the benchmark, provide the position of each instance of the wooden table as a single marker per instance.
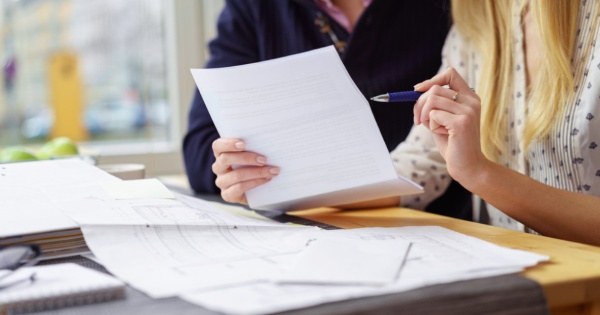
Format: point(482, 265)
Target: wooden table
point(571, 280)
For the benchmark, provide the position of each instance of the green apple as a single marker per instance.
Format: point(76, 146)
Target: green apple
point(58, 147)
point(15, 154)
point(45, 152)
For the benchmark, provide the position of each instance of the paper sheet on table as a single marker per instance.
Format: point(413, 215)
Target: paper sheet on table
point(90, 204)
point(311, 121)
point(185, 243)
point(150, 188)
point(332, 260)
point(25, 209)
point(437, 255)
point(185, 257)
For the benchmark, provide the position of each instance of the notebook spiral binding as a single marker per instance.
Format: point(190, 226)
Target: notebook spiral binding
point(52, 302)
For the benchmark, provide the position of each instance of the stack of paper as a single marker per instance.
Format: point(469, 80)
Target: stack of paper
point(195, 250)
point(28, 216)
point(54, 244)
point(209, 257)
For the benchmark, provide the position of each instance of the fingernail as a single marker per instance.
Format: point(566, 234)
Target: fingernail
point(261, 159)
point(418, 85)
point(274, 170)
point(240, 145)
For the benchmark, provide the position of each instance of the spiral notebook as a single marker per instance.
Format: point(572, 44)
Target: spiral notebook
point(57, 286)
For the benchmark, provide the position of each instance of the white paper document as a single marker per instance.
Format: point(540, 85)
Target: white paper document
point(166, 246)
point(306, 115)
point(335, 260)
point(164, 261)
point(25, 209)
point(437, 255)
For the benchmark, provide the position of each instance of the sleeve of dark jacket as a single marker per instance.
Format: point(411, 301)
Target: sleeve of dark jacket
point(234, 45)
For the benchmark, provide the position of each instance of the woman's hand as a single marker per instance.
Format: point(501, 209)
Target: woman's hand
point(453, 116)
point(250, 169)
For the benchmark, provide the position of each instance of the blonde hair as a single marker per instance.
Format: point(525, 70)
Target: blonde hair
point(488, 24)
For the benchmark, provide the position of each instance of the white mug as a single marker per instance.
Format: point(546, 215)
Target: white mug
point(125, 171)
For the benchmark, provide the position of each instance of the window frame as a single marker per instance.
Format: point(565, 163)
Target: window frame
point(189, 25)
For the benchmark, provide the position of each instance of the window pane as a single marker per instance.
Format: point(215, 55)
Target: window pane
point(91, 70)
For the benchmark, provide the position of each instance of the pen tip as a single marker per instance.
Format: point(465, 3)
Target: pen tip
point(380, 98)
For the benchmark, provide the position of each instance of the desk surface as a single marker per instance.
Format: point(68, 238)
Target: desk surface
point(571, 280)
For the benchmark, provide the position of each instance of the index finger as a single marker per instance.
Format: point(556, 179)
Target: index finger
point(227, 145)
point(449, 77)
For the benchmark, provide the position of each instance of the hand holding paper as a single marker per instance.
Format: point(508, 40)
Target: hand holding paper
point(311, 121)
point(251, 170)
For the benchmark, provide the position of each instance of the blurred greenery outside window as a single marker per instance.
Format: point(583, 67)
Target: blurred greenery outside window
point(91, 70)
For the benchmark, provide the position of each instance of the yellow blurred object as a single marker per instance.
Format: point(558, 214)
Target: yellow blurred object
point(66, 97)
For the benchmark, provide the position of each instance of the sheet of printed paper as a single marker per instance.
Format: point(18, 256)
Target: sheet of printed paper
point(163, 261)
point(437, 255)
point(91, 204)
point(310, 120)
point(184, 243)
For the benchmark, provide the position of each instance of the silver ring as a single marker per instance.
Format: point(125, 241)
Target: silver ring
point(455, 96)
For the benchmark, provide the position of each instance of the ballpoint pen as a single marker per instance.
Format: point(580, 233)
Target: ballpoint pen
point(407, 96)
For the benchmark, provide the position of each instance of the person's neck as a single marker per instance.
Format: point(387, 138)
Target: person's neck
point(351, 8)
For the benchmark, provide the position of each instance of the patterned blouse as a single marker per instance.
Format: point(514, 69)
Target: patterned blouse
point(569, 158)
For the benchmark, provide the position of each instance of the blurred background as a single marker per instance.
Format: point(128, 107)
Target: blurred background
point(112, 75)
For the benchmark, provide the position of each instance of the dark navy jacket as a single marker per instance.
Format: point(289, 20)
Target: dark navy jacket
point(395, 44)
